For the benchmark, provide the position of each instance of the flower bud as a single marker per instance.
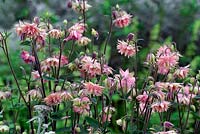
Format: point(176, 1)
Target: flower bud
point(69, 4)
point(114, 14)
point(36, 20)
point(65, 22)
point(168, 124)
point(130, 36)
point(77, 129)
point(4, 128)
point(192, 80)
point(193, 108)
point(95, 33)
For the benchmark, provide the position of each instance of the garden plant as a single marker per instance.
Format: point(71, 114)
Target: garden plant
point(67, 85)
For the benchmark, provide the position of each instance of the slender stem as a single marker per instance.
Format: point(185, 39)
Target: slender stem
point(5, 49)
point(109, 35)
point(38, 68)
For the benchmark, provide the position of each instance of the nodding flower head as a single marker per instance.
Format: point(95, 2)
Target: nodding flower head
point(126, 49)
point(53, 99)
point(121, 18)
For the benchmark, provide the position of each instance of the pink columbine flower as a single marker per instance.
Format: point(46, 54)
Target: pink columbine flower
point(34, 94)
point(50, 62)
point(64, 59)
point(79, 6)
point(107, 114)
point(168, 124)
point(160, 106)
point(27, 30)
point(81, 105)
point(53, 99)
point(142, 98)
point(167, 132)
point(90, 67)
point(182, 72)
point(184, 96)
point(126, 49)
point(76, 32)
point(55, 33)
point(127, 81)
point(166, 59)
point(107, 70)
point(27, 58)
point(94, 89)
point(66, 96)
point(121, 19)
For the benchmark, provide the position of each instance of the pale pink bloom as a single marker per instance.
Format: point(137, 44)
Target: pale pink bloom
point(162, 85)
point(182, 72)
point(64, 59)
point(27, 58)
point(127, 81)
point(142, 98)
point(166, 59)
point(121, 19)
point(160, 106)
point(53, 99)
point(35, 75)
point(125, 49)
point(79, 6)
point(34, 94)
point(81, 105)
point(110, 82)
point(168, 124)
point(90, 67)
point(66, 96)
point(83, 41)
point(55, 33)
point(107, 114)
point(184, 96)
point(76, 32)
point(94, 89)
point(174, 87)
point(107, 70)
point(50, 62)
point(40, 39)
point(159, 94)
point(27, 30)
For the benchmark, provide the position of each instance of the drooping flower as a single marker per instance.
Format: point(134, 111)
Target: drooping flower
point(160, 106)
point(89, 66)
point(34, 94)
point(76, 32)
point(167, 132)
point(79, 6)
point(27, 58)
point(184, 96)
point(121, 18)
point(66, 96)
point(94, 89)
point(53, 99)
point(27, 30)
point(124, 48)
point(166, 59)
point(55, 33)
point(127, 80)
point(182, 72)
point(50, 62)
point(64, 59)
point(81, 105)
point(107, 70)
point(107, 114)
point(168, 124)
point(83, 41)
point(142, 98)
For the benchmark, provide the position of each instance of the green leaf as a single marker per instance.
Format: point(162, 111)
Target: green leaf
point(94, 123)
point(25, 43)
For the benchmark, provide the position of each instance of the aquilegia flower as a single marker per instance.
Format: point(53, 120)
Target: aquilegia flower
point(27, 58)
point(121, 18)
point(53, 99)
point(94, 89)
point(126, 49)
point(160, 106)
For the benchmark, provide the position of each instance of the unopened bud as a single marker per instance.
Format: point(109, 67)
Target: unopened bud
point(130, 36)
point(114, 14)
point(65, 22)
point(192, 80)
point(69, 4)
point(77, 129)
point(36, 20)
